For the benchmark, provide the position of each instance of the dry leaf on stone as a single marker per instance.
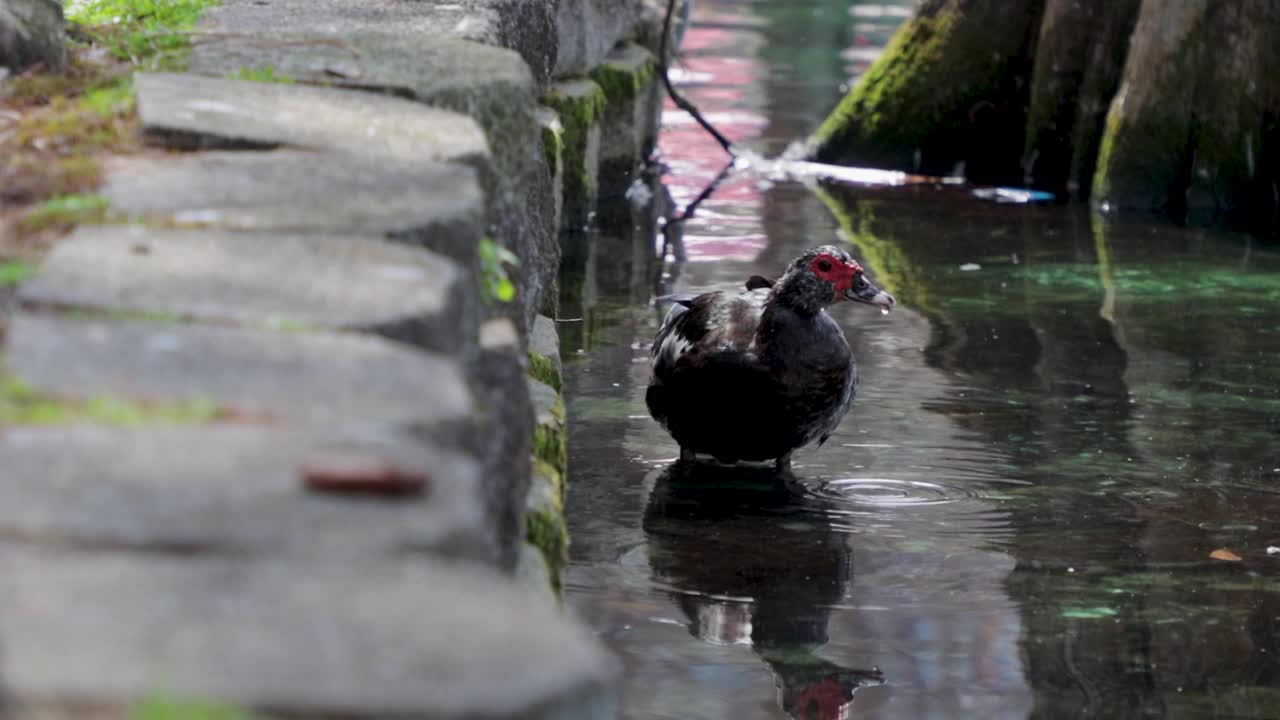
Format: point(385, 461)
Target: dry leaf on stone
point(1224, 554)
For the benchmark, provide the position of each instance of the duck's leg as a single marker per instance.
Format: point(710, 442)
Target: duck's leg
point(687, 455)
point(783, 463)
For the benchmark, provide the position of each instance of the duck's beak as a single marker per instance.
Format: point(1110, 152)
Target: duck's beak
point(863, 291)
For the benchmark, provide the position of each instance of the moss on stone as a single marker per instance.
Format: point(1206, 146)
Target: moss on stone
point(554, 478)
point(62, 213)
point(553, 144)
point(580, 105)
point(266, 73)
point(160, 707)
point(545, 529)
point(549, 442)
point(543, 369)
point(622, 82)
point(22, 405)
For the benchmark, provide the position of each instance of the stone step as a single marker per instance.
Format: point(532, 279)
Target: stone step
point(283, 280)
point(315, 379)
point(491, 85)
point(363, 640)
point(555, 37)
point(188, 111)
point(436, 205)
point(236, 488)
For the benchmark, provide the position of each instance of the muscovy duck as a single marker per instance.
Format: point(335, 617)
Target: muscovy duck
point(756, 374)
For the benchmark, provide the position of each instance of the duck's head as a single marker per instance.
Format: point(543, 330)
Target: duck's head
point(826, 275)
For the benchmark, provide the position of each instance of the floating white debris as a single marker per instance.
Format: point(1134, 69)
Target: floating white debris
point(1273, 550)
point(970, 267)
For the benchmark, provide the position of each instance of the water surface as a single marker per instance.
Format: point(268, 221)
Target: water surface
point(1062, 422)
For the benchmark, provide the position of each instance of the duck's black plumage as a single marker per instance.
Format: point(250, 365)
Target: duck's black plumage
point(753, 375)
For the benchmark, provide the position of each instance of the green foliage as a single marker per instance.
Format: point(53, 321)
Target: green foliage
point(267, 74)
point(165, 708)
point(63, 211)
point(494, 260)
point(141, 30)
point(14, 272)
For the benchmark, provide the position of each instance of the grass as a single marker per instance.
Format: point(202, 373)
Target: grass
point(20, 404)
point(267, 74)
point(56, 127)
point(63, 212)
point(165, 708)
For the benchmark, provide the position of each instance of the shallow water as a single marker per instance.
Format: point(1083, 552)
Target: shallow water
point(1060, 423)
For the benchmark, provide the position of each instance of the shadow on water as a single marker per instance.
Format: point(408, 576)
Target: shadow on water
point(747, 567)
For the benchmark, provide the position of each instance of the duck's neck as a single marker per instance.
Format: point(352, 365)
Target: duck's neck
point(794, 292)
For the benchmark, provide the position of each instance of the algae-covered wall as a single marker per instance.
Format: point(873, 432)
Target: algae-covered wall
point(1139, 104)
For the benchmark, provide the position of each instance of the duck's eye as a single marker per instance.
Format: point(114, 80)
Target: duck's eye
point(824, 265)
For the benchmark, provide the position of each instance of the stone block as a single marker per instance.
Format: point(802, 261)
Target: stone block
point(553, 147)
point(436, 205)
point(544, 353)
point(491, 85)
point(580, 105)
point(31, 33)
point(283, 280)
point(629, 126)
point(502, 393)
point(314, 379)
point(589, 29)
point(235, 489)
point(186, 111)
point(320, 640)
point(528, 27)
point(549, 433)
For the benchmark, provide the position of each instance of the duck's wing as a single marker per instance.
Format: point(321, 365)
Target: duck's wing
point(708, 324)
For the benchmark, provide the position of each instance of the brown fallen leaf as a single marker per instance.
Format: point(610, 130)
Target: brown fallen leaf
point(1225, 554)
point(361, 475)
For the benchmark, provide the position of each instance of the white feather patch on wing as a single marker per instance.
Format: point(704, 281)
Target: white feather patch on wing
point(673, 346)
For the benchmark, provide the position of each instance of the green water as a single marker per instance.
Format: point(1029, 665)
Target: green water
point(1061, 423)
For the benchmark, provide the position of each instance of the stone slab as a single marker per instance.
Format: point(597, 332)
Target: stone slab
point(544, 344)
point(529, 27)
point(498, 377)
point(361, 640)
point(299, 378)
point(580, 104)
point(489, 84)
point(630, 123)
point(437, 205)
point(234, 489)
point(31, 32)
point(189, 111)
point(589, 29)
point(314, 281)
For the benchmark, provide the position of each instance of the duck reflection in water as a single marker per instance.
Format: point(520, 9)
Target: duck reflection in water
point(752, 567)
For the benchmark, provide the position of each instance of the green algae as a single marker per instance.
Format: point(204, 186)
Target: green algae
point(549, 442)
point(579, 112)
point(553, 144)
point(622, 82)
point(543, 369)
point(546, 530)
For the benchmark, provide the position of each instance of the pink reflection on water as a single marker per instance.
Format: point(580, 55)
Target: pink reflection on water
point(727, 226)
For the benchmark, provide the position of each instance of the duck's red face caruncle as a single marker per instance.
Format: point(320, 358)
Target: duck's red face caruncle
point(847, 277)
